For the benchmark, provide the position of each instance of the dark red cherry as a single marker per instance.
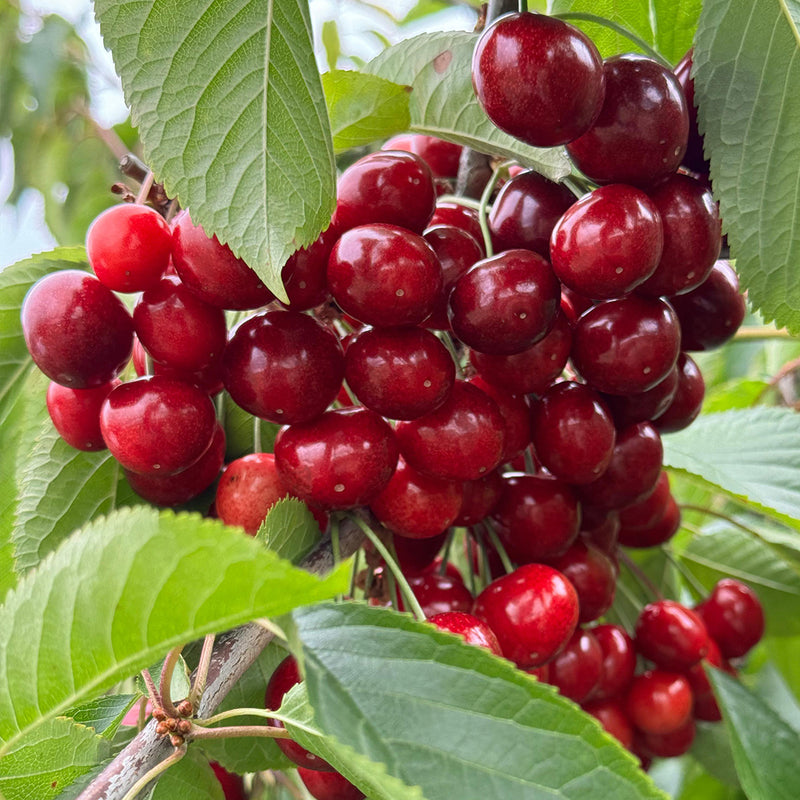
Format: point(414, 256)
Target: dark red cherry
point(626, 345)
point(402, 373)
point(619, 661)
point(450, 213)
point(668, 745)
point(659, 702)
point(479, 498)
point(232, 784)
point(328, 785)
point(600, 527)
point(470, 628)
point(594, 576)
point(339, 460)
point(77, 330)
point(304, 275)
point(157, 425)
point(525, 212)
point(628, 409)
point(212, 271)
point(505, 303)
point(656, 533)
point(733, 617)
point(694, 158)
point(575, 671)
point(607, 243)
point(701, 686)
point(573, 433)
point(75, 414)
point(283, 366)
point(384, 275)
point(439, 594)
point(516, 415)
point(417, 555)
point(462, 439)
point(646, 512)
point(688, 399)
point(209, 379)
point(538, 78)
point(442, 157)
point(611, 715)
point(672, 636)
point(533, 611)
point(394, 188)
point(128, 247)
point(641, 133)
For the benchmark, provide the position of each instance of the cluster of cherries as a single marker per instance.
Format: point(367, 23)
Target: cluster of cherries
point(521, 394)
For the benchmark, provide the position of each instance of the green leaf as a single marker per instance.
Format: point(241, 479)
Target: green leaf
point(190, 779)
point(775, 692)
point(738, 393)
point(121, 592)
point(437, 66)
point(229, 106)
point(712, 749)
point(450, 717)
point(745, 67)
point(289, 529)
point(784, 653)
point(364, 108)
point(331, 43)
point(44, 762)
point(764, 747)
point(752, 454)
point(240, 431)
point(104, 714)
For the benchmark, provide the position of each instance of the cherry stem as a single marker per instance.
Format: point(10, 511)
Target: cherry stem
point(172, 210)
point(523, 6)
point(694, 585)
point(484, 573)
point(238, 732)
point(448, 546)
point(287, 784)
point(162, 766)
point(337, 558)
point(257, 448)
point(471, 566)
point(448, 342)
point(755, 333)
point(500, 172)
point(155, 699)
point(235, 712)
point(527, 457)
point(498, 545)
point(164, 685)
point(201, 674)
point(640, 575)
point(144, 189)
point(467, 202)
point(394, 568)
point(576, 185)
point(621, 29)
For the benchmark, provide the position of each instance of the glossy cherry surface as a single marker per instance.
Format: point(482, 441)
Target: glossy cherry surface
point(619, 660)
point(75, 414)
point(594, 576)
point(576, 670)
point(611, 715)
point(694, 158)
point(468, 627)
point(538, 78)
point(209, 379)
point(417, 555)
point(304, 275)
point(659, 531)
point(659, 702)
point(440, 594)
point(687, 401)
point(516, 414)
point(649, 405)
point(442, 157)
point(672, 636)
point(733, 616)
point(649, 510)
point(668, 745)
point(232, 784)
point(480, 497)
point(449, 213)
point(328, 785)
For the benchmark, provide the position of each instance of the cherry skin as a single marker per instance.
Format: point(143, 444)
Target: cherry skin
point(641, 133)
point(157, 425)
point(525, 212)
point(576, 670)
point(516, 414)
point(387, 187)
point(705, 704)
point(232, 784)
point(573, 432)
point(505, 303)
point(450, 213)
point(656, 533)
point(401, 373)
point(668, 745)
point(733, 616)
point(208, 379)
point(129, 247)
point(627, 409)
point(442, 157)
point(471, 629)
point(417, 555)
point(611, 715)
point(304, 275)
point(594, 576)
point(75, 414)
point(619, 661)
point(328, 785)
point(212, 271)
point(462, 439)
point(384, 275)
point(533, 611)
point(341, 459)
point(607, 243)
point(480, 497)
point(283, 366)
point(659, 702)
point(77, 330)
point(694, 159)
point(649, 510)
point(672, 636)
point(688, 399)
point(440, 594)
point(538, 78)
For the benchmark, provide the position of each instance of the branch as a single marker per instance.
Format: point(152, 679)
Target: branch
point(233, 654)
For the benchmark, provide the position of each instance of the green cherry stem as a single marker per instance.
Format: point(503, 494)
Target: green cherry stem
point(152, 774)
point(500, 172)
point(498, 545)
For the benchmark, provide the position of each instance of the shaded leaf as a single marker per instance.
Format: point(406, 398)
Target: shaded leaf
point(104, 714)
point(289, 529)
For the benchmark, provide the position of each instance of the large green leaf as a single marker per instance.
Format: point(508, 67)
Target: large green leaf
point(104, 714)
point(229, 105)
point(289, 529)
point(119, 593)
point(752, 454)
point(450, 717)
point(437, 66)
point(746, 68)
point(764, 747)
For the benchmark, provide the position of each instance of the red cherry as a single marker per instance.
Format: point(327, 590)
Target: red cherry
point(611, 715)
point(75, 414)
point(439, 594)
point(450, 213)
point(442, 157)
point(669, 745)
point(659, 702)
point(645, 406)
point(733, 616)
point(594, 576)
point(232, 784)
point(304, 275)
point(479, 498)
point(687, 400)
point(516, 414)
point(705, 703)
point(417, 555)
point(328, 785)
point(576, 670)
point(470, 628)
point(619, 661)
point(671, 635)
point(208, 379)
point(658, 532)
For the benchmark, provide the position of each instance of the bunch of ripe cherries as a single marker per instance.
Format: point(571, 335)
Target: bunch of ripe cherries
point(510, 374)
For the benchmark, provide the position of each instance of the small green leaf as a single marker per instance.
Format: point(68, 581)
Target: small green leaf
point(764, 747)
point(240, 431)
point(331, 43)
point(229, 106)
point(364, 108)
point(121, 592)
point(437, 66)
point(104, 714)
point(745, 67)
point(451, 717)
point(289, 529)
point(190, 779)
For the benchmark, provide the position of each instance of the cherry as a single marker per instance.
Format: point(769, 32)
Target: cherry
point(401, 373)
point(573, 433)
point(658, 532)
point(671, 635)
point(450, 213)
point(479, 498)
point(462, 439)
point(628, 409)
point(157, 425)
point(384, 275)
point(525, 212)
point(77, 330)
point(733, 616)
point(285, 676)
point(304, 275)
point(75, 414)
point(341, 459)
point(576, 670)
point(328, 785)
point(694, 159)
point(178, 328)
point(470, 628)
point(129, 247)
point(538, 78)
point(533, 611)
point(669, 745)
point(415, 505)
point(607, 243)
point(439, 594)
point(442, 157)
point(705, 703)
point(395, 188)
point(177, 489)
point(516, 414)
point(600, 527)
point(505, 303)
point(209, 379)
point(283, 366)
point(536, 517)
point(688, 399)
point(611, 715)
point(619, 661)
point(232, 784)
point(594, 576)
point(212, 271)
point(659, 702)
point(641, 133)
point(648, 511)
point(417, 555)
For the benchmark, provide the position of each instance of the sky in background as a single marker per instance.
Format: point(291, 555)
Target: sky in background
point(360, 25)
